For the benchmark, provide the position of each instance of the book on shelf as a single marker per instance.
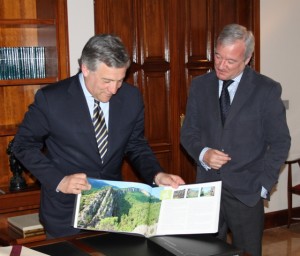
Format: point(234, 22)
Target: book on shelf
point(22, 62)
point(137, 208)
point(27, 225)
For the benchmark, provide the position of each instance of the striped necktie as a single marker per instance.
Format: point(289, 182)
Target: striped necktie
point(100, 129)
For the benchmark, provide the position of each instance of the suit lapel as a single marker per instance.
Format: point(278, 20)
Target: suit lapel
point(242, 94)
point(82, 119)
point(115, 114)
point(214, 101)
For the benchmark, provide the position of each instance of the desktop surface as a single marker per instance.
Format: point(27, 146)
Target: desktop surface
point(115, 244)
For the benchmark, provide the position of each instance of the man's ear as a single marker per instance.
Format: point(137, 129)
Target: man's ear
point(85, 71)
point(247, 60)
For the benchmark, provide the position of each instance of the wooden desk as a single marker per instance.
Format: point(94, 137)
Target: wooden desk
point(17, 203)
point(112, 244)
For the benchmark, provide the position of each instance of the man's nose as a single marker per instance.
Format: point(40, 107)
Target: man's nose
point(222, 63)
point(113, 87)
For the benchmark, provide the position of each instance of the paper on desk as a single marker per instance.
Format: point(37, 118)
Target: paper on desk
point(6, 251)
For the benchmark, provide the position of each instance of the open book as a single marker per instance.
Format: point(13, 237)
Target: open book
point(131, 207)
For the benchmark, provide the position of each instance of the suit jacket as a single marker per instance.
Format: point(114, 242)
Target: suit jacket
point(60, 120)
point(255, 134)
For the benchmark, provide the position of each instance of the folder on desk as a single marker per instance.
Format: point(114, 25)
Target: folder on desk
point(200, 245)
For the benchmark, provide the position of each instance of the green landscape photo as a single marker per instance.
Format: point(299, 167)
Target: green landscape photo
point(110, 207)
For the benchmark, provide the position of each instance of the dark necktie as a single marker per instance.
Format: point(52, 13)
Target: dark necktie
point(100, 129)
point(225, 100)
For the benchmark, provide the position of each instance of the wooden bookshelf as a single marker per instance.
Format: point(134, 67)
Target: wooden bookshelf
point(30, 23)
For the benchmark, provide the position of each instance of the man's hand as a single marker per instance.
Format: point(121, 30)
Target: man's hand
point(215, 158)
point(74, 184)
point(165, 179)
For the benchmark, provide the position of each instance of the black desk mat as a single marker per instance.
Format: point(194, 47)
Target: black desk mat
point(129, 245)
point(115, 244)
point(121, 245)
point(194, 245)
point(61, 249)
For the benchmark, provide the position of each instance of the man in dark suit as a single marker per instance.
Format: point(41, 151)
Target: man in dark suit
point(61, 120)
point(247, 149)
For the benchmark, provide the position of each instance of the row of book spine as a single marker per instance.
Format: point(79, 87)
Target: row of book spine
point(22, 63)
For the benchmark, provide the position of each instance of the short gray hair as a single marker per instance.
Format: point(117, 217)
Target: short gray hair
point(234, 32)
point(107, 49)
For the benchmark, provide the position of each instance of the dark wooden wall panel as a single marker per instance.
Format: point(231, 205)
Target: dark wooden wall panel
point(154, 16)
point(198, 31)
point(157, 109)
point(118, 17)
point(224, 13)
point(170, 42)
point(144, 28)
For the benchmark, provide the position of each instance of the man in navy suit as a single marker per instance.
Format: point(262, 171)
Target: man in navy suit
point(247, 149)
point(60, 122)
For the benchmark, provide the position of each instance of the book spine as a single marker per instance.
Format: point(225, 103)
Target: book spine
point(22, 63)
point(1, 63)
point(28, 231)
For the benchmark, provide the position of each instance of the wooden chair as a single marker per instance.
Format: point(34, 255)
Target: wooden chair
point(292, 189)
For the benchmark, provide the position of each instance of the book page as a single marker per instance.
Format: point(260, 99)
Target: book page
point(136, 208)
point(114, 206)
point(190, 209)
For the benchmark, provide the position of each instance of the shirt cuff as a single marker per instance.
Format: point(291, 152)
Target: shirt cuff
point(154, 183)
point(57, 190)
point(201, 158)
point(264, 193)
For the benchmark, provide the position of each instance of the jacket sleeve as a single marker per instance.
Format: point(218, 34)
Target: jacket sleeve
point(29, 143)
point(276, 135)
point(190, 134)
point(138, 150)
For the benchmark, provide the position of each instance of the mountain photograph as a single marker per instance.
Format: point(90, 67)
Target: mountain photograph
point(108, 207)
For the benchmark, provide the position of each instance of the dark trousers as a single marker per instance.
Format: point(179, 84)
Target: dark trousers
point(245, 223)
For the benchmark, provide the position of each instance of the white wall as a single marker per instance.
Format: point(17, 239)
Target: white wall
point(280, 57)
point(81, 28)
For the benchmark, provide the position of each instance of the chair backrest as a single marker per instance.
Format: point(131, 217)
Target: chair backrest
point(290, 175)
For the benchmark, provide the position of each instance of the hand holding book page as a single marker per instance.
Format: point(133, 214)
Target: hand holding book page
point(131, 207)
